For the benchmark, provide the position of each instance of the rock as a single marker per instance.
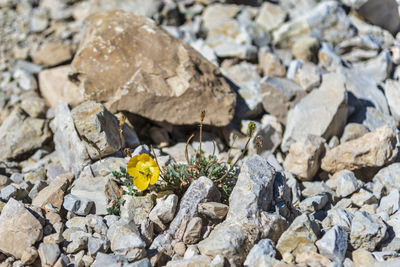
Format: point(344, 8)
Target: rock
point(315, 188)
point(71, 151)
point(48, 253)
point(96, 245)
point(247, 219)
point(125, 240)
point(246, 77)
point(177, 152)
point(303, 159)
point(85, 9)
point(326, 107)
point(201, 190)
point(312, 258)
point(314, 203)
point(346, 183)
point(51, 54)
point(191, 251)
point(308, 76)
point(393, 223)
point(300, 236)
point(106, 166)
point(389, 18)
point(367, 231)
point(378, 68)
point(327, 17)
point(328, 59)
point(164, 210)
point(78, 242)
point(353, 131)
point(333, 244)
point(103, 191)
point(29, 256)
point(199, 260)
point(306, 49)
point(392, 93)
point(279, 95)
point(218, 261)
point(56, 88)
point(193, 231)
point(54, 193)
point(25, 80)
point(19, 229)
point(9, 191)
point(99, 129)
point(20, 135)
point(271, 65)
point(270, 16)
point(216, 14)
point(338, 217)
point(34, 106)
point(213, 210)
point(260, 254)
point(78, 206)
point(112, 260)
point(390, 203)
point(363, 197)
point(136, 208)
point(389, 177)
point(372, 118)
point(364, 88)
point(180, 248)
point(229, 37)
point(361, 41)
point(270, 132)
point(39, 20)
point(197, 85)
point(362, 257)
point(373, 149)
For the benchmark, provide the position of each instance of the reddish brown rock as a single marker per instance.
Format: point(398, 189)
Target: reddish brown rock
point(127, 62)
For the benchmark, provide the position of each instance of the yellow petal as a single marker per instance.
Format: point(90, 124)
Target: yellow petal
point(144, 157)
point(141, 182)
point(155, 173)
point(132, 165)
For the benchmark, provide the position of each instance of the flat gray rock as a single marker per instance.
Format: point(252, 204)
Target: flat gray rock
point(279, 95)
point(70, 149)
point(101, 190)
point(333, 244)
point(364, 88)
point(326, 107)
point(247, 218)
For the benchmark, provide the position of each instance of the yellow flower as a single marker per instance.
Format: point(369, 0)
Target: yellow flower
point(144, 171)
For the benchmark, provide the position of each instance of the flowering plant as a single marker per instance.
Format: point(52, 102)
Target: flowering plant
point(144, 170)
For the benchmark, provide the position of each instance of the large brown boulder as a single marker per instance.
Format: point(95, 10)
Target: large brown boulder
point(127, 62)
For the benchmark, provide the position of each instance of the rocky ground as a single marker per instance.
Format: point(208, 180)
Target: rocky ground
point(319, 78)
